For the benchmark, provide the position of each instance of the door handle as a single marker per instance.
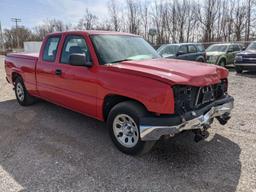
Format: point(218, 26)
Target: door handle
point(58, 72)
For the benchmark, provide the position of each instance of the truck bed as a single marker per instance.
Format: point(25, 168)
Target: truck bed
point(24, 55)
point(23, 64)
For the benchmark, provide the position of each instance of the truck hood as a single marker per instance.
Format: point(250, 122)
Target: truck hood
point(248, 53)
point(174, 71)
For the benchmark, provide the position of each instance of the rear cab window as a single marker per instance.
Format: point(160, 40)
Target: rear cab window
point(51, 48)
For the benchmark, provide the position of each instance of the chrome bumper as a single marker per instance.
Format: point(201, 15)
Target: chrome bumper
point(246, 64)
point(203, 121)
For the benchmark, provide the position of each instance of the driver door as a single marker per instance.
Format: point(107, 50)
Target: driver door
point(184, 50)
point(77, 85)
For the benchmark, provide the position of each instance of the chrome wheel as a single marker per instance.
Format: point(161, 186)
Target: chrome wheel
point(125, 130)
point(20, 91)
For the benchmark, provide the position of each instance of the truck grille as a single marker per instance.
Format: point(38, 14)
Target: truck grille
point(188, 98)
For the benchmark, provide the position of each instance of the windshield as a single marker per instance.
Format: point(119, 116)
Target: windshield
point(217, 48)
point(168, 50)
point(117, 48)
point(252, 46)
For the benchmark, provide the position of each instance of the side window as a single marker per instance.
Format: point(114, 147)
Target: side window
point(74, 44)
point(200, 48)
point(231, 48)
point(50, 49)
point(192, 49)
point(166, 50)
point(183, 49)
point(237, 48)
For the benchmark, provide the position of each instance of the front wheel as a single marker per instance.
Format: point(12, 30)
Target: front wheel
point(222, 63)
point(123, 125)
point(201, 60)
point(238, 69)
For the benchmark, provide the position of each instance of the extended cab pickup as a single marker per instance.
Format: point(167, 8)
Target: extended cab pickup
point(119, 78)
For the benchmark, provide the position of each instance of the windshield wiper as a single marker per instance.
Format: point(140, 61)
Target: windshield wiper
point(121, 60)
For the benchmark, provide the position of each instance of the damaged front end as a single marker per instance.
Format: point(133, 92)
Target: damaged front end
point(195, 109)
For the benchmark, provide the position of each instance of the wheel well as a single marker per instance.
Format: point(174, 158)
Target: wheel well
point(222, 59)
point(14, 76)
point(200, 59)
point(111, 100)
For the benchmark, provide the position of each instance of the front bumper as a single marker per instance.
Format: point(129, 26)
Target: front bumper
point(245, 64)
point(152, 128)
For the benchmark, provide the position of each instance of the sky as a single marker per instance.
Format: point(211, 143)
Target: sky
point(34, 12)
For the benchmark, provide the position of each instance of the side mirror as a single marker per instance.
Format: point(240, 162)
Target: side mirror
point(180, 53)
point(78, 59)
point(243, 49)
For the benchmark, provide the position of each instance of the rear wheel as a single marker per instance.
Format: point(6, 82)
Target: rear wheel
point(123, 125)
point(222, 63)
point(200, 60)
point(22, 94)
point(238, 69)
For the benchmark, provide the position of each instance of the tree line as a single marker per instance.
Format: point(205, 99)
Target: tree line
point(159, 21)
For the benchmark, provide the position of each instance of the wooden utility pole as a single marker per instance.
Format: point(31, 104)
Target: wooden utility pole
point(16, 21)
point(1, 38)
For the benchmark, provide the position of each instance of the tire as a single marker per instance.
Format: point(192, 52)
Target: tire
point(125, 117)
point(222, 63)
point(22, 95)
point(238, 69)
point(200, 60)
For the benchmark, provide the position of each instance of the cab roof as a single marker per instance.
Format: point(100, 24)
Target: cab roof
point(94, 32)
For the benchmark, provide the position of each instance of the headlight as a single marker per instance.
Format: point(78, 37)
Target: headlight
point(213, 58)
point(239, 58)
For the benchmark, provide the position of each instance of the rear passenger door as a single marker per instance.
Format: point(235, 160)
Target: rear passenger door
point(45, 69)
point(77, 85)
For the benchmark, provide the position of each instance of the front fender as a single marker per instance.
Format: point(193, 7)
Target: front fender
point(155, 95)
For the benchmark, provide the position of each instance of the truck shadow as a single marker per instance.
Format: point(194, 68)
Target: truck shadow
point(249, 74)
point(45, 147)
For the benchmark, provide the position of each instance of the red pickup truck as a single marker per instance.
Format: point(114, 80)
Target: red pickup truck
point(119, 78)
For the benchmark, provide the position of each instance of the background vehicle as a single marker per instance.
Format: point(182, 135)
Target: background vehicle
point(222, 54)
point(184, 51)
point(119, 78)
point(246, 60)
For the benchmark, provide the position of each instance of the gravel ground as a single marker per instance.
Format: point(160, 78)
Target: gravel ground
point(47, 148)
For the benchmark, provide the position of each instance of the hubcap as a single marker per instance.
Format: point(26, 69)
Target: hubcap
point(20, 91)
point(125, 130)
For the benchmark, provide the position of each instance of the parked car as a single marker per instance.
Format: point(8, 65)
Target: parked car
point(183, 51)
point(222, 54)
point(246, 60)
point(120, 79)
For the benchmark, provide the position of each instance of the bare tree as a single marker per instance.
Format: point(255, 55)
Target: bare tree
point(10, 36)
point(207, 15)
point(145, 18)
point(49, 26)
point(114, 15)
point(133, 10)
point(88, 22)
